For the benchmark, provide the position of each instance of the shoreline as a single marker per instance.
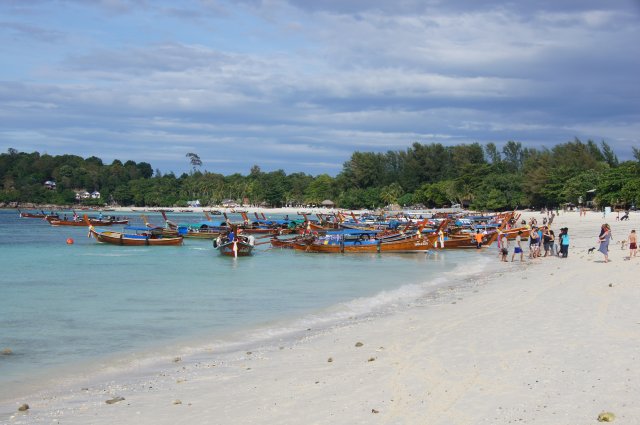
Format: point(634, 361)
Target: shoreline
point(265, 336)
point(248, 209)
point(550, 341)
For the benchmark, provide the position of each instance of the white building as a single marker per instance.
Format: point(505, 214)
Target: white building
point(82, 194)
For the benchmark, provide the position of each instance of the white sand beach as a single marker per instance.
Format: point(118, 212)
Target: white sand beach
point(548, 341)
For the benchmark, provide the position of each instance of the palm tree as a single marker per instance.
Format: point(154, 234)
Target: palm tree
point(391, 193)
point(195, 160)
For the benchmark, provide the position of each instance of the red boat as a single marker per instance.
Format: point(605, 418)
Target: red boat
point(55, 221)
point(31, 215)
point(141, 237)
point(134, 236)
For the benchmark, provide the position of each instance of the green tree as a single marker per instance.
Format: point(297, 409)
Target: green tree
point(390, 194)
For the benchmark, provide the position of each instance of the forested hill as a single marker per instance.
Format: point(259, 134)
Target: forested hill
point(431, 175)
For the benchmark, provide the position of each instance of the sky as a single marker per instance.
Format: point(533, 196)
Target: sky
point(300, 85)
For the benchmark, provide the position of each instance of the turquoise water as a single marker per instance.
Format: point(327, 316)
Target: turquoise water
point(62, 305)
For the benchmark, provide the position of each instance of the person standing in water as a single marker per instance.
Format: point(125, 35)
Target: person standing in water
point(478, 239)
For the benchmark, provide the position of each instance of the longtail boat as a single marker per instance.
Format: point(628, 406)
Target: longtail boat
point(289, 242)
point(167, 232)
point(467, 240)
point(233, 245)
point(55, 221)
point(262, 226)
point(202, 230)
point(134, 236)
point(371, 241)
point(235, 248)
point(41, 214)
point(513, 232)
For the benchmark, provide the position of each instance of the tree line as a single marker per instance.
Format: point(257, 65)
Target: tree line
point(430, 175)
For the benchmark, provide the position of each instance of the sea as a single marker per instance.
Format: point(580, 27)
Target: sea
point(69, 309)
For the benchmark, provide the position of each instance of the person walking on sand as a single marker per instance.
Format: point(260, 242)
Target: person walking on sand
point(605, 236)
point(564, 242)
point(633, 243)
point(504, 242)
point(533, 242)
point(518, 247)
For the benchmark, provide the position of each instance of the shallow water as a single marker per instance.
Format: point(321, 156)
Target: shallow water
point(63, 305)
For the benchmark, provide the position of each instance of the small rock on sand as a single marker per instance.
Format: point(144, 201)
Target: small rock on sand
point(177, 402)
point(6, 352)
point(23, 407)
point(177, 359)
point(606, 417)
point(330, 359)
point(114, 400)
point(359, 344)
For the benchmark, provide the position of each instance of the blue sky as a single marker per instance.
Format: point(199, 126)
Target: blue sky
point(299, 85)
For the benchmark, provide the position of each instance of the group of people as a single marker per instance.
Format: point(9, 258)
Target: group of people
point(232, 235)
point(542, 243)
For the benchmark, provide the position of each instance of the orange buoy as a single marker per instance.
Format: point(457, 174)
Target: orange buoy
point(69, 241)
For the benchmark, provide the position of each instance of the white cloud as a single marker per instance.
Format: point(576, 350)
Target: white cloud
point(325, 79)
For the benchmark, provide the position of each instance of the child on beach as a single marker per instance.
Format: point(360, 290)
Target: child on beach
point(478, 238)
point(564, 242)
point(633, 243)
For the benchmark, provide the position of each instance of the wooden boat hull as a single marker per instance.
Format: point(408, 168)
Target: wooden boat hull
point(412, 244)
point(201, 235)
point(289, 243)
point(99, 223)
point(467, 241)
point(513, 233)
point(258, 231)
point(32, 215)
point(118, 238)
